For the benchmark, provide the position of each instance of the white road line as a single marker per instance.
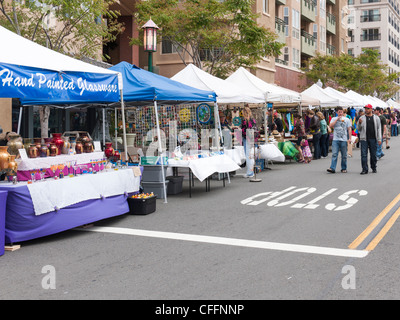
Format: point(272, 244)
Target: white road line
point(233, 242)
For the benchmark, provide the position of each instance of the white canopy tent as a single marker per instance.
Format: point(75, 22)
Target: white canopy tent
point(19, 52)
point(325, 99)
point(393, 104)
point(364, 100)
point(272, 92)
point(344, 100)
point(379, 102)
point(226, 92)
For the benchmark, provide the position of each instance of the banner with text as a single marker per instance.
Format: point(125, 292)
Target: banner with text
point(40, 86)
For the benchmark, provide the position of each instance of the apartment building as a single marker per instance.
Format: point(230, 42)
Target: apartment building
point(305, 26)
point(375, 24)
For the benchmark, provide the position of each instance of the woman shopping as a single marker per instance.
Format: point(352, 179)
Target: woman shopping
point(248, 136)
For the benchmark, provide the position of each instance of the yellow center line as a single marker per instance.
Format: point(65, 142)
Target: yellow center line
point(371, 246)
point(374, 223)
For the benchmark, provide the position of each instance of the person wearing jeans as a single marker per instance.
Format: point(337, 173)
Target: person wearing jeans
point(341, 136)
point(369, 126)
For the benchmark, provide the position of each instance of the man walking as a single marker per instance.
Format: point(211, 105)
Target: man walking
point(369, 126)
point(341, 136)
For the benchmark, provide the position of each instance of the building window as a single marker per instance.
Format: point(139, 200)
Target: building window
point(286, 19)
point(295, 24)
point(322, 8)
point(168, 47)
point(265, 6)
point(315, 35)
point(370, 15)
point(296, 58)
point(286, 54)
point(370, 35)
point(322, 37)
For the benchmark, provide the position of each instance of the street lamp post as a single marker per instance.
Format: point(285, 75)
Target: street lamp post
point(150, 41)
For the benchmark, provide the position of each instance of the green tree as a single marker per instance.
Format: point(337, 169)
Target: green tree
point(74, 27)
point(218, 36)
point(365, 74)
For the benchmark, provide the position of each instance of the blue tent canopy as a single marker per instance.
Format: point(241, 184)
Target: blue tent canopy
point(142, 87)
point(38, 75)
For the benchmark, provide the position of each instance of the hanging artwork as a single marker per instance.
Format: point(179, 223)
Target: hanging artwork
point(204, 113)
point(184, 115)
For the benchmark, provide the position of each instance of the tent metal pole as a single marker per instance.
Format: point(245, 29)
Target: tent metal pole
point(104, 127)
point(19, 120)
point(123, 124)
point(116, 128)
point(160, 151)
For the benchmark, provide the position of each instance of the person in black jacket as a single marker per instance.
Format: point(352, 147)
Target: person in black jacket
point(315, 131)
point(278, 123)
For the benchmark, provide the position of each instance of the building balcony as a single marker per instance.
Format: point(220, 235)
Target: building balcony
point(330, 50)
point(280, 61)
point(307, 44)
point(330, 23)
point(370, 18)
point(280, 26)
point(370, 37)
point(308, 10)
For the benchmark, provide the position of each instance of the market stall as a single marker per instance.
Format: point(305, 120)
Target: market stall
point(46, 207)
point(39, 76)
point(143, 88)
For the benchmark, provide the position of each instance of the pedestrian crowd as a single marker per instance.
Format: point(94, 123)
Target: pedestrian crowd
point(369, 129)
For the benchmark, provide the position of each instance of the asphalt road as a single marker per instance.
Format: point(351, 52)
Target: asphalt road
point(224, 244)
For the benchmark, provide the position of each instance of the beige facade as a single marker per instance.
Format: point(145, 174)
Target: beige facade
point(376, 25)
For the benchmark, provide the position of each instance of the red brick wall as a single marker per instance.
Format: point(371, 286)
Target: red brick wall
point(290, 79)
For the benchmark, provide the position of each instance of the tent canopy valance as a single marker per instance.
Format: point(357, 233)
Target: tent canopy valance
point(37, 75)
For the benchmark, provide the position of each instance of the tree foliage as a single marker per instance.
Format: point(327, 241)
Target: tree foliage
point(218, 36)
point(365, 74)
point(77, 27)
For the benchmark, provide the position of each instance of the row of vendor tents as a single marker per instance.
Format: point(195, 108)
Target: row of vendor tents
point(40, 76)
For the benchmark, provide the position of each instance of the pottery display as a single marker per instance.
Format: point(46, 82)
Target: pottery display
point(58, 141)
point(14, 144)
point(37, 142)
point(12, 165)
point(4, 157)
point(78, 147)
point(66, 145)
point(33, 151)
point(44, 151)
point(109, 150)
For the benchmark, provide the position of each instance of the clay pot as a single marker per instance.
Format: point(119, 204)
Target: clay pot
point(4, 157)
point(44, 151)
point(37, 142)
point(12, 164)
point(53, 151)
point(66, 145)
point(109, 150)
point(79, 147)
point(88, 147)
point(58, 142)
point(33, 151)
point(14, 144)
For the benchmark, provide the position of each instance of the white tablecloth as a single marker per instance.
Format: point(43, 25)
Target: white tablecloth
point(237, 154)
point(52, 194)
point(204, 167)
point(47, 162)
point(270, 151)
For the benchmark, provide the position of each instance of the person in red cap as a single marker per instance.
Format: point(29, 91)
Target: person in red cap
point(369, 126)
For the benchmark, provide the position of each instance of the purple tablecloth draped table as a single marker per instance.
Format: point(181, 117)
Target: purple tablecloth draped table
point(3, 202)
point(22, 224)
